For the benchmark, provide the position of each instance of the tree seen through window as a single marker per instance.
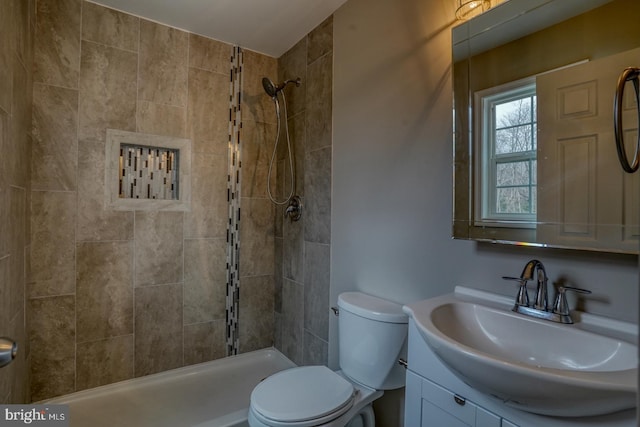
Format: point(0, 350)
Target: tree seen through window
point(514, 155)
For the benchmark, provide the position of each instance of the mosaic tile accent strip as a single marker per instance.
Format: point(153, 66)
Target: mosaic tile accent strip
point(233, 198)
point(148, 172)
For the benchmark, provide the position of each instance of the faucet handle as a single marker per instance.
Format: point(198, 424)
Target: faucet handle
point(523, 296)
point(560, 305)
point(294, 209)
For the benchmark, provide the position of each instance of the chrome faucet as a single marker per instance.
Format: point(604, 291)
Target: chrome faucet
point(540, 308)
point(533, 266)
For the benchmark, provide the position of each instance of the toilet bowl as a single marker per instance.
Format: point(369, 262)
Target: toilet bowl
point(372, 336)
point(311, 396)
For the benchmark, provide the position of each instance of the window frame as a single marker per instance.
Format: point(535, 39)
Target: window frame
point(485, 190)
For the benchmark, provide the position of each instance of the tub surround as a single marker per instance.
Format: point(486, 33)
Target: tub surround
point(107, 287)
point(93, 274)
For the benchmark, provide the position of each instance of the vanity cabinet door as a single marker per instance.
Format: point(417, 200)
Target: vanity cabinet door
point(485, 418)
point(456, 406)
point(432, 416)
point(429, 405)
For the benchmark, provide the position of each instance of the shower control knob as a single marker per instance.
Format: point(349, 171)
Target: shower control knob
point(294, 210)
point(8, 351)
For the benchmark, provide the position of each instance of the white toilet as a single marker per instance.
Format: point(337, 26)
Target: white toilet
point(372, 337)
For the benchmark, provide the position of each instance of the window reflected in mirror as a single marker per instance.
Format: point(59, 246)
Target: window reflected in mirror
point(534, 155)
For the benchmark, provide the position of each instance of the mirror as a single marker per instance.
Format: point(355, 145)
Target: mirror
point(535, 161)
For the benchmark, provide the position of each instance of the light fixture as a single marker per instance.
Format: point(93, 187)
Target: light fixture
point(467, 9)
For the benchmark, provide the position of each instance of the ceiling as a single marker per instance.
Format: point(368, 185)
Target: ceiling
point(270, 27)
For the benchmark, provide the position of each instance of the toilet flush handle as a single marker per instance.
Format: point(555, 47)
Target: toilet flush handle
point(336, 311)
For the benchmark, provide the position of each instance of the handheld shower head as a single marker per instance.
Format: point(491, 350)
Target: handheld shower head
point(269, 87)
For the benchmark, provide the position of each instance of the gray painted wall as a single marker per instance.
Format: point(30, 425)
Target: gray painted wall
point(392, 173)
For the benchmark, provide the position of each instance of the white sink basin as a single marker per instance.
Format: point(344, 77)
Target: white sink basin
point(534, 365)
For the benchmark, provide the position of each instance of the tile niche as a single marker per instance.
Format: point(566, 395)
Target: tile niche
point(147, 172)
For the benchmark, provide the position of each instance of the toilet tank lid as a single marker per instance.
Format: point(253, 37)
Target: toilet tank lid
point(372, 307)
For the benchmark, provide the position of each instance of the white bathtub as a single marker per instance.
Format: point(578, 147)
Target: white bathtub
point(212, 394)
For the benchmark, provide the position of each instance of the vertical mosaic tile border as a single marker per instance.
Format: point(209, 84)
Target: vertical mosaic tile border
point(233, 199)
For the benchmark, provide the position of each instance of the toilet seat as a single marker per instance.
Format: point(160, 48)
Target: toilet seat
point(302, 397)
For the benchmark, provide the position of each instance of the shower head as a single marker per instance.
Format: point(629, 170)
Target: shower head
point(269, 87)
point(272, 90)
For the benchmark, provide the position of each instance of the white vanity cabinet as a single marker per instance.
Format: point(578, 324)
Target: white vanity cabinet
point(435, 397)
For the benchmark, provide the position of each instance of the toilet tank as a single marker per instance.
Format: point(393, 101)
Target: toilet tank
point(372, 335)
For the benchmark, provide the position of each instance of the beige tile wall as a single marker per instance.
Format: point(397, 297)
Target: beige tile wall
point(303, 248)
point(257, 238)
point(16, 81)
point(115, 295)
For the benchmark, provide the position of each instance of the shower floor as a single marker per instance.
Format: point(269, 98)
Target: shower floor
point(211, 394)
